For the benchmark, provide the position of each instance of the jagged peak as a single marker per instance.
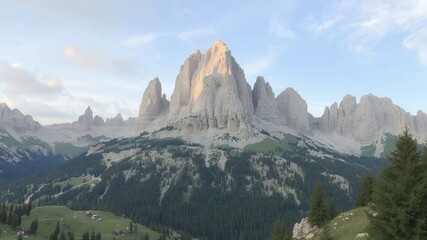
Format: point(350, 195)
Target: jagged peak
point(88, 111)
point(4, 105)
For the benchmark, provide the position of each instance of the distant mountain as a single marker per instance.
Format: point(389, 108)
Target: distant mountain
point(212, 98)
point(27, 147)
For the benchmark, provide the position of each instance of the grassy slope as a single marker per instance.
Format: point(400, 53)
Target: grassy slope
point(347, 225)
point(77, 222)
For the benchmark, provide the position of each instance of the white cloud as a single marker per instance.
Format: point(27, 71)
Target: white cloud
point(18, 80)
point(198, 33)
point(278, 28)
point(141, 40)
point(262, 63)
point(97, 60)
point(418, 42)
point(326, 24)
point(362, 25)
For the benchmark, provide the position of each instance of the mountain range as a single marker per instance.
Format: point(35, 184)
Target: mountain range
point(217, 159)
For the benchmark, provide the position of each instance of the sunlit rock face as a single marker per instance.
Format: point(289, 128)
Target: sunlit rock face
point(153, 104)
point(211, 92)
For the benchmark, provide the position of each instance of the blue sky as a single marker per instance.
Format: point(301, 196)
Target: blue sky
point(59, 56)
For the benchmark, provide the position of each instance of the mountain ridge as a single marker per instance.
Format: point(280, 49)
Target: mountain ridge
point(211, 96)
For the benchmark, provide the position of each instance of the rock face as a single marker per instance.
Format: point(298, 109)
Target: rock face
point(370, 119)
point(211, 92)
point(294, 110)
point(117, 121)
point(152, 105)
point(265, 102)
point(85, 121)
point(98, 121)
point(303, 230)
point(15, 120)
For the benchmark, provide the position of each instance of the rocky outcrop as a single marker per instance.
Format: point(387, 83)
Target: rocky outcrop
point(15, 120)
point(117, 121)
point(98, 121)
point(264, 102)
point(211, 92)
point(303, 230)
point(153, 104)
point(370, 119)
point(85, 121)
point(294, 110)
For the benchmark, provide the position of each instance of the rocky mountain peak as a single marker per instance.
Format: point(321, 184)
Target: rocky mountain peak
point(264, 102)
point(15, 120)
point(85, 121)
point(294, 109)
point(212, 88)
point(153, 103)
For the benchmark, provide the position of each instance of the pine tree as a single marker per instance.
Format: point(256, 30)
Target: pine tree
point(365, 194)
point(62, 236)
point(317, 213)
point(242, 236)
point(326, 233)
point(331, 211)
point(92, 236)
point(279, 231)
point(85, 236)
point(400, 197)
point(146, 236)
point(130, 227)
point(98, 236)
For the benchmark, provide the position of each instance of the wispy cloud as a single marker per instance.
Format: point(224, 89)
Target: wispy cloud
point(361, 25)
point(262, 63)
point(97, 60)
point(18, 80)
point(141, 40)
point(326, 24)
point(279, 28)
point(198, 33)
point(418, 42)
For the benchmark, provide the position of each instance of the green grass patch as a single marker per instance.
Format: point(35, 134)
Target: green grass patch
point(389, 144)
point(368, 151)
point(291, 139)
point(347, 225)
point(265, 146)
point(76, 222)
point(69, 149)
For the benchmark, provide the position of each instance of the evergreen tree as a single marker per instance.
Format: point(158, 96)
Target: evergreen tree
point(130, 227)
point(242, 236)
point(146, 236)
point(317, 213)
point(399, 199)
point(62, 236)
point(28, 208)
point(71, 236)
point(365, 194)
point(279, 231)
point(92, 236)
point(98, 236)
point(33, 226)
point(326, 233)
point(85, 236)
point(331, 211)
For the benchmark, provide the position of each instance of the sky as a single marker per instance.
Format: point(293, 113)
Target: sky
point(59, 56)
